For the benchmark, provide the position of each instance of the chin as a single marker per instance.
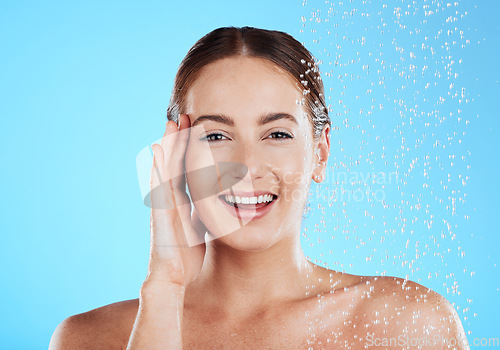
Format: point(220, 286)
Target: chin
point(245, 233)
point(247, 239)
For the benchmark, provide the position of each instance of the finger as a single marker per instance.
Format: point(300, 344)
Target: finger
point(160, 174)
point(200, 230)
point(160, 194)
point(160, 199)
point(167, 143)
point(157, 170)
point(177, 160)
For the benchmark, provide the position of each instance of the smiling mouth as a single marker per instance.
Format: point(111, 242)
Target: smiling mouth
point(249, 202)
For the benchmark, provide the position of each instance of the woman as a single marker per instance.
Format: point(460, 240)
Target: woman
point(252, 98)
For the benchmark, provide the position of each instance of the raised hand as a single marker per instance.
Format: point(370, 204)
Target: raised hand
point(172, 225)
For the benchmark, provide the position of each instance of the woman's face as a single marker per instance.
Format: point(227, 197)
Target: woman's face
point(251, 115)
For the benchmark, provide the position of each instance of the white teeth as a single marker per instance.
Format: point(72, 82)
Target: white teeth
point(249, 200)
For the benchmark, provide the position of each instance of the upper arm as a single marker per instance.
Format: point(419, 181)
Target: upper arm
point(414, 316)
point(72, 333)
point(445, 325)
point(107, 328)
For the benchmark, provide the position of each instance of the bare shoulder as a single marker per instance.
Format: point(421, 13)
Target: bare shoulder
point(401, 309)
point(386, 312)
point(406, 296)
point(106, 327)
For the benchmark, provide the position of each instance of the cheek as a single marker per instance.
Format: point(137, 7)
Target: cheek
point(296, 161)
point(198, 155)
point(295, 174)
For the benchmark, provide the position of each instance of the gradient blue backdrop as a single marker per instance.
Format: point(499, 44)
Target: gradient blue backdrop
point(84, 87)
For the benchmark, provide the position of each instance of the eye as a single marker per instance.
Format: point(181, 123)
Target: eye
point(216, 137)
point(280, 135)
point(213, 137)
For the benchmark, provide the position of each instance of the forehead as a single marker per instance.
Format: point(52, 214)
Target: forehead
point(244, 86)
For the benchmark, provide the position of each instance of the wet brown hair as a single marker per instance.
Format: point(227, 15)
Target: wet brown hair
point(277, 47)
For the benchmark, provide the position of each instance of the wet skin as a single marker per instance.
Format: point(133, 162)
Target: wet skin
point(377, 307)
point(256, 289)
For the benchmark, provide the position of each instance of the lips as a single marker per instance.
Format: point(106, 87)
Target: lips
point(248, 210)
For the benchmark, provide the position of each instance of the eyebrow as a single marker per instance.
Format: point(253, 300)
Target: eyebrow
point(268, 118)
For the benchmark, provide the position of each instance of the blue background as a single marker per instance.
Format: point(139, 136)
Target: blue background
point(85, 86)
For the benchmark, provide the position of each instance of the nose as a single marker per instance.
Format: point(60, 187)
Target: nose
point(256, 163)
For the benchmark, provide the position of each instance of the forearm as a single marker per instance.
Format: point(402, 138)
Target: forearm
point(158, 324)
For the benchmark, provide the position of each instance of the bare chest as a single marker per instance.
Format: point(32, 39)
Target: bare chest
point(310, 325)
point(283, 333)
point(321, 323)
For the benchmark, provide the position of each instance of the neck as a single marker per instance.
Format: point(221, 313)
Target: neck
point(241, 282)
